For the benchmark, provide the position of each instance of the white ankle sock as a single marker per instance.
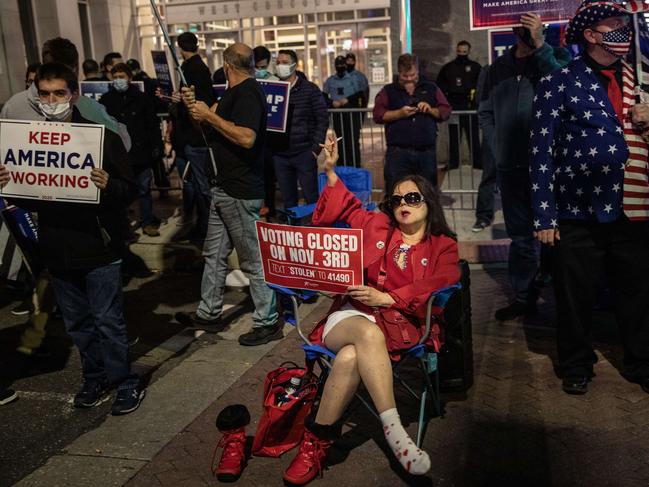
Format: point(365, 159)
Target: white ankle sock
point(413, 459)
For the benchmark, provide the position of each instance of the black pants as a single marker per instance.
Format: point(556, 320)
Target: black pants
point(470, 126)
point(484, 210)
point(586, 253)
point(348, 126)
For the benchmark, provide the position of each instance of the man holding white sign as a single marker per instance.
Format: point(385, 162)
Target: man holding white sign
point(79, 237)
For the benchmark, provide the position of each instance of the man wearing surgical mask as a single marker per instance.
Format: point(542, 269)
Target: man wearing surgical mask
point(296, 150)
point(262, 64)
point(590, 193)
point(80, 245)
point(346, 91)
point(134, 109)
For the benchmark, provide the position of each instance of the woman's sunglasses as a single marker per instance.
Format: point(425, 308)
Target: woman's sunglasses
point(411, 199)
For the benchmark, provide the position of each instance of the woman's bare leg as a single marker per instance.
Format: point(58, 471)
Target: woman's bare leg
point(375, 370)
point(373, 361)
point(339, 389)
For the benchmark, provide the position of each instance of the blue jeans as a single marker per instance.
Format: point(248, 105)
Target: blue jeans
point(232, 225)
point(405, 161)
point(189, 189)
point(289, 170)
point(143, 181)
point(524, 250)
point(198, 157)
point(91, 303)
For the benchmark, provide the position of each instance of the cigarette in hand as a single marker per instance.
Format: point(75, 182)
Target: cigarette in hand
point(339, 139)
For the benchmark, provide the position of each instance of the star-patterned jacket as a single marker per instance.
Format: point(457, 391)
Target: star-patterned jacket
point(577, 150)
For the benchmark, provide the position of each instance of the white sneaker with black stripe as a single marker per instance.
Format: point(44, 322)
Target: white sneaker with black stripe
point(7, 396)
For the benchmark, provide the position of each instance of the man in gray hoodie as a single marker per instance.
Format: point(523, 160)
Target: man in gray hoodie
point(25, 104)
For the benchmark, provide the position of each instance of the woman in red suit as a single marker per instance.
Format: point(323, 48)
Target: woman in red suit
point(408, 252)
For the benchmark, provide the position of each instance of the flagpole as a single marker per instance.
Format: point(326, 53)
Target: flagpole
point(638, 55)
point(183, 81)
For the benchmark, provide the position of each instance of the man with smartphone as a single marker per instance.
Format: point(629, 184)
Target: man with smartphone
point(410, 109)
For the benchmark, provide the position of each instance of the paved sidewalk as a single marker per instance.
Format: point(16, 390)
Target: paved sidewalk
point(514, 427)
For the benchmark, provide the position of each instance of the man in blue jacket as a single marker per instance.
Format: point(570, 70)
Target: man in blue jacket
point(505, 114)
point(590, 193)
point(295, 151)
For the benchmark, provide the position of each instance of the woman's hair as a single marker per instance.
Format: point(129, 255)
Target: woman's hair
point(435, 220)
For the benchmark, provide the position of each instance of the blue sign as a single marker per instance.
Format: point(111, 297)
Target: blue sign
point(162, 72)
point(499, 42)
point(23, 229)
point(277, 96)
point(95, 89)
point(219, 90)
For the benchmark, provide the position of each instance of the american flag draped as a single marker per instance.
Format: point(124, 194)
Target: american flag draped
point(641, 9)
point(636, 178)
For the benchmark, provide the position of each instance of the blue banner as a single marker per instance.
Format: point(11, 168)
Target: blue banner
point(95, 89)
point(277, 96)
point(487, 14)
point(22, 228)
point(499, 42)
point(162, 72)
point(219, 90)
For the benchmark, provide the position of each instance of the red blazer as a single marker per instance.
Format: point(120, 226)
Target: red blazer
point(434, 262)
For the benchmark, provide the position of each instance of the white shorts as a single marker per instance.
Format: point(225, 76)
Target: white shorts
point(347, 311)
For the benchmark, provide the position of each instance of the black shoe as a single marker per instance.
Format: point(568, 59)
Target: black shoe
point(37, 353)
point(23, 308)
point(128, 399)
point(645, 385)
point(194, 321)
point(575, 385)
point(514, 310)
point(261, 335)
point(7, 395)
point(91, 394)
point(479, 226)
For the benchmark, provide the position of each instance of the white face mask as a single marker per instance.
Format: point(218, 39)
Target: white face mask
point(120, 84)
point(285, 71)
point(56, 111)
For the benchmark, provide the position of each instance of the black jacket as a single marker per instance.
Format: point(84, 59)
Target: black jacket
point(197, 75)
point(307, 124)
point(79, 236)
point(459, 80)
point(136, 110)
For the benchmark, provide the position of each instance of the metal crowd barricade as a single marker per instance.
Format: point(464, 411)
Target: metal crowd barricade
point(460, 183)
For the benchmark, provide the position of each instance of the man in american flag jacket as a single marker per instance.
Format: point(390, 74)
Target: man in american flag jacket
point(590, 195)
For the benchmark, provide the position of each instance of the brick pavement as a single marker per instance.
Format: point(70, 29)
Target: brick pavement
point(514, 427)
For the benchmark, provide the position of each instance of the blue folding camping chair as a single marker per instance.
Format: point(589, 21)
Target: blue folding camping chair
point(357, 180)
point(427, 358)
